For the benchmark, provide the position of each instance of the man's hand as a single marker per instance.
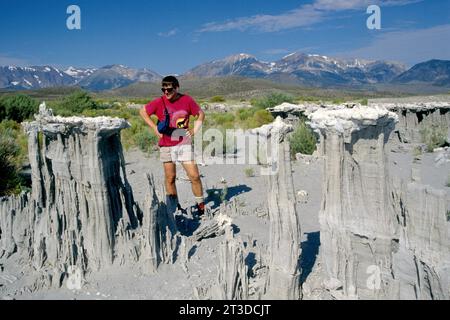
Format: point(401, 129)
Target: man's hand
point(159, 135)
point(190, 132)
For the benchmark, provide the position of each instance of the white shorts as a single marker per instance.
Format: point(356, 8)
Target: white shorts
point(179, 153)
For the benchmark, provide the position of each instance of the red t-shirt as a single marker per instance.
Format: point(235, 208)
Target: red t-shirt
point(179, 112)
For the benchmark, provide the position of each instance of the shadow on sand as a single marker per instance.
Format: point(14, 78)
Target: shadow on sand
point(217, 195)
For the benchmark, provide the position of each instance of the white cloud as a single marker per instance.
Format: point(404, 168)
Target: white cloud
point(168, 33)
point(411, 46)
point(339, 5)
point(303, 16)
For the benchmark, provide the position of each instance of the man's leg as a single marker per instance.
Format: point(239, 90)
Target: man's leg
point(170, 173)
point(192, 172)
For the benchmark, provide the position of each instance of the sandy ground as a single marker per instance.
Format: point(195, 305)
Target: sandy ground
point(177, 282)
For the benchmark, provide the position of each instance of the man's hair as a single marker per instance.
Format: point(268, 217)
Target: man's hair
point(171, 80)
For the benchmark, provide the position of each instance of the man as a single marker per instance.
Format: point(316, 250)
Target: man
point(176, 146)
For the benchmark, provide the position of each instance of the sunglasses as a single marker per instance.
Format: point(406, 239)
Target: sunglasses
point(169, 90)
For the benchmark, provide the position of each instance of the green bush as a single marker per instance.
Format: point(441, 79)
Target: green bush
point(271, 100)
point(262, 117)
point(139, 135)
point(303, 140)
point(75, 104)
point(217, 99)
point(249, 172)
point(146, 141)
point(17, 107)
point(434, 136)
point(244, 113)
point(13, 152)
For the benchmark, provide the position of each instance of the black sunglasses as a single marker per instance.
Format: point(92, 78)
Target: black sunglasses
point(169, 90)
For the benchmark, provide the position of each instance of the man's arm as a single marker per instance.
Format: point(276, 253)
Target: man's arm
point(197, 124)
point(149, 121)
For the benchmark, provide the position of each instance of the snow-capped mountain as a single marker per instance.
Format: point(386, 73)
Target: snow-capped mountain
point(79, 73)
point(241, 64)
point(108, 77)
point(295, 68)
point(309, 69)
point(33, 77)
point(117, 76)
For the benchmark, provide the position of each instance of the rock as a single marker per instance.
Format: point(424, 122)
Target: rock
point(286, 110)
point(306, 158)
point(278, 128)
point(356, 223)
point(81, 211)
point(214, 228)
point(442, 157)
point(285, 234)
point(367, 222)
point(302, 196)
point(232, 280)
point(422, 256)
point(414, 117)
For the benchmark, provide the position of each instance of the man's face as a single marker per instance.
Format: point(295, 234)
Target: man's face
point(169, 91)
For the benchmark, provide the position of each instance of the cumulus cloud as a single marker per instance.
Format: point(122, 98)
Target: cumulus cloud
point(305, 15)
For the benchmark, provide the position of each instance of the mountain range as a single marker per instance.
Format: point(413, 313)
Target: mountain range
point(297, 69)
point(305, 69)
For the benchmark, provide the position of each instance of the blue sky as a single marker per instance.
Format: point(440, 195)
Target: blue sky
point(174, 36)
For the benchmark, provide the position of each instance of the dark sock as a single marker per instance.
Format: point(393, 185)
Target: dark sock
point(201, 208)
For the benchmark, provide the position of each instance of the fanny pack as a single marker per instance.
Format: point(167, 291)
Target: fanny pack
point(164, 126)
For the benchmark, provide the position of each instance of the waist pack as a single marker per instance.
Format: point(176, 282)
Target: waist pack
point(164, 126)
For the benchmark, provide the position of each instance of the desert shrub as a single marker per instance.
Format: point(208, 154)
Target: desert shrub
point(434, 136)
point(13, 152)
point(271, 100)
point(262, 117)
point(307, 99)
point(146, 141)
point(303, 140)
point(364, 102)
point(249, 172)
point(338, 101)
point(417, 151)
point(223, 118)
point(244, 113)
point(139, 135)
point(17, 107)
point(217, 99)
point(76, 103)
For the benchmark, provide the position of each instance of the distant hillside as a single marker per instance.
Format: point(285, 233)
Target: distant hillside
point(240, 88)
point(434, 72)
